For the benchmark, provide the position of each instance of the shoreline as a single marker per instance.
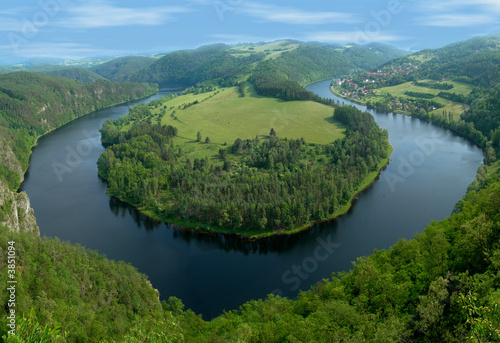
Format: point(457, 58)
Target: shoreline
point(447, 127)
point(369, 180)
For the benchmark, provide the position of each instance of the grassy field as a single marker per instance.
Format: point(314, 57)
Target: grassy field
point(423, 57)
point(274, 49)
point(455, 108)
point(224, 116)
point(399, 90)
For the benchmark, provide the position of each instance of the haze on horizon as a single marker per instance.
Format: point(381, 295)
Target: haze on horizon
point(75, 29)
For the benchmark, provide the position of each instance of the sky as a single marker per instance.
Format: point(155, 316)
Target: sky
point(75, 29)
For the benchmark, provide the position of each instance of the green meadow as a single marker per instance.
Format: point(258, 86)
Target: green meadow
point(455, 108)
point(224, 116)
point(273, 50)
point(399, 90)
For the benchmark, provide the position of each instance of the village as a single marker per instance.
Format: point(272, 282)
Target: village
point(363, 84)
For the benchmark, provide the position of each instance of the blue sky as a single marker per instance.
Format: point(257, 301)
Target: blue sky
point(77, 28)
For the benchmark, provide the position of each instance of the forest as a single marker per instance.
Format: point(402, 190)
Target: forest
point(255, 185)
point(78, 74)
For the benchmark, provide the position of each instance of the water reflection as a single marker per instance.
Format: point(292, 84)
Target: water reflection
point(122, 209)
point(234, 243)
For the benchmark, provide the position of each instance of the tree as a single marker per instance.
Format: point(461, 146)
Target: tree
point(222, 154)
point(198, 136)
point(207, 140)
point(272, 133)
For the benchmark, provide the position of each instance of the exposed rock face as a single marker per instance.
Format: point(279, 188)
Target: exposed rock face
point(16, 212)
point(15, 209)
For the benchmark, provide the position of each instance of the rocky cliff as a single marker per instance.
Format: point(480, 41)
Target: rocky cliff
point(16, 212)
point(15, 209)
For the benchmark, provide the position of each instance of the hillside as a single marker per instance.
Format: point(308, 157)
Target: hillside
point(188, 67)
point(480, 55)
point(77, 74)
point(301, 62)
point(118, 69)
point(34, 104)
point(455, 86)
point(388, 51)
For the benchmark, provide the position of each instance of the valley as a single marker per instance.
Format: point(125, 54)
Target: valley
point(248, 150)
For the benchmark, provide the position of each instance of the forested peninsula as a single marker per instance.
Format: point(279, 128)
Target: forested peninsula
point(253, 187)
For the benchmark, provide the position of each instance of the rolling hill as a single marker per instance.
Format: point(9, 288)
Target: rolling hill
point(78, 74)
point(118, 69)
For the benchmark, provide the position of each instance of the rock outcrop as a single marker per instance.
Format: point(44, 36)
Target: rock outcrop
point(16, 212)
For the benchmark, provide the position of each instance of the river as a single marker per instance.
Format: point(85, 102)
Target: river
point(429, 172)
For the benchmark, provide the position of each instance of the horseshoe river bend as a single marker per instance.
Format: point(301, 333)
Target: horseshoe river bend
point(429, 171)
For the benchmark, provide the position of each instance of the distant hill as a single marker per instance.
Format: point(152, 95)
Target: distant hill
point(388, 51)
point(193, 66)
point(481, 56)
point(118, 69)
point(301, 62)
point(285, 76)
point(78, 74)
point(5, 69)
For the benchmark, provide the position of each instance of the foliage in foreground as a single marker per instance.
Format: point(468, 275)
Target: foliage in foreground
point(87, 297)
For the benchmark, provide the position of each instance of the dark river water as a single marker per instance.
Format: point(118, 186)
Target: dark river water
point(429, 172)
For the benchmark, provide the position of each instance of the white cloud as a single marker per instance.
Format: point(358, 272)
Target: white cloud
point(8, 24)
point(457, 13)
point(289, 15)
point(16, 11)
point(102, 14)
point(59, 50)
point(458, 5)
point(359, 37)
point(457, 20)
